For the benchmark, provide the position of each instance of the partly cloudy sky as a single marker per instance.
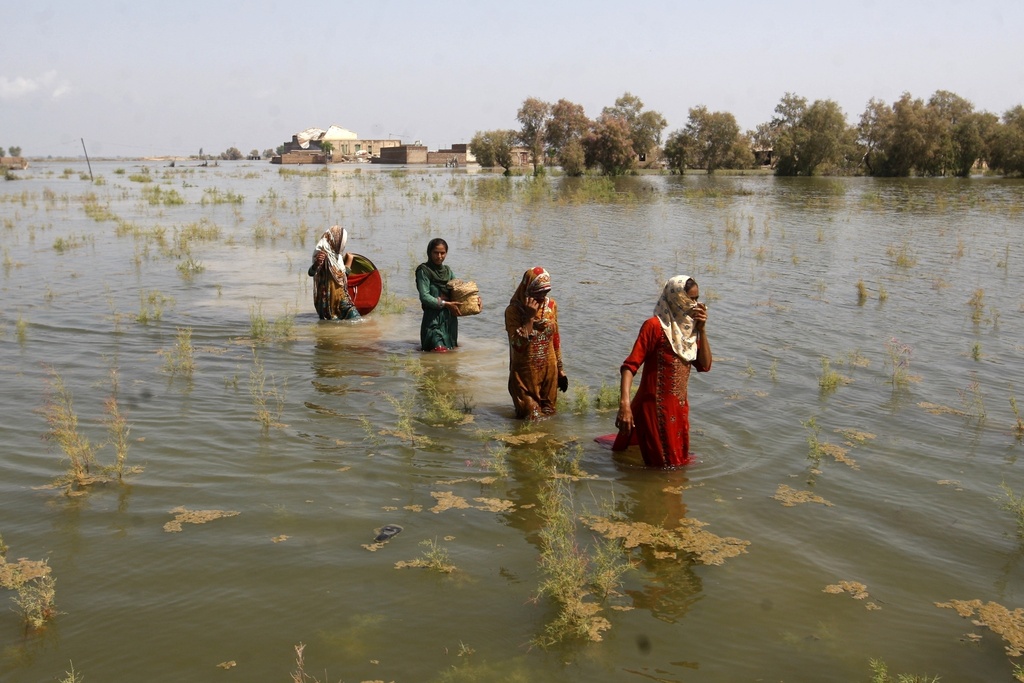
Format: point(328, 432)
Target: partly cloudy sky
point(140, 78)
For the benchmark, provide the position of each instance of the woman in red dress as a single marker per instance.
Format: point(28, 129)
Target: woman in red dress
point(669, 344)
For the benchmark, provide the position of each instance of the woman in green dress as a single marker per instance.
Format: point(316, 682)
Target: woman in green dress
point(439, 330)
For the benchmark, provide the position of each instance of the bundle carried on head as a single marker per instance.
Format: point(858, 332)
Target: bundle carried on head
point(467, 294)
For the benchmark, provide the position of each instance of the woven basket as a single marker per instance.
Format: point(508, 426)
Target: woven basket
point(467, 294)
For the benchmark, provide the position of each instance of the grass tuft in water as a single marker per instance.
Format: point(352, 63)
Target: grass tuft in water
point(1018, 425)
point(880, 674)
point(268, 403)
point(830, 380)
point(573, 577)
point(72, 676)
point(898, 360)
point(1012, 502)
point(63, 422)
point(181, 359)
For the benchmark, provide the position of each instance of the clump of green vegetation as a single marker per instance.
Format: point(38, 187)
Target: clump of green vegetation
point(574, 578)
point(814, 445)
point(901, 255)
point(607, 398)
point(21, 330)
point(498, 460)
point(268, 403)
point(435, 557)
point(1018, 425)
point(151, 306)
point(580, 399)
point(977, 304)
point(33, 585)
point(83, 468)
point(181, 359)
point(212, 195)
point(973, 401)
point(862, 293)
point(565, 460)
point(142, 176)
point(405, 428)
point(60, 415)
point(880, 674)
point(156, 195)
point(260, 329)
point(71, 676)
point(899, 355)
point(441, 405)
point(830, 380)
point(1012, 502)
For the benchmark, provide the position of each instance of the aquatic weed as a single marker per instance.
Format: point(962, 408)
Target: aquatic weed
point(1012, 502)
point(880, 674)
point(898, 360)
point(181, 359)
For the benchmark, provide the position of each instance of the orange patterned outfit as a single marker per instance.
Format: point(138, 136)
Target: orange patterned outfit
point(535, 357)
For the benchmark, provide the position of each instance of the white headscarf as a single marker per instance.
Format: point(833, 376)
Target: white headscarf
point(333, 244)
point(673, 311)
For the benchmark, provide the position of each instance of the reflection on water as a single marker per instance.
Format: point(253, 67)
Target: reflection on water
point(365, 431)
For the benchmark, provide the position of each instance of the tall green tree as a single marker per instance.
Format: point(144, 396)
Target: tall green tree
point(493, 148)
point(1006, 143)
point(533, 116)
point(645, 127)
point(707, 141)
point(608, 144)
point(804, 137)
point(13, 151)
point(568, 124)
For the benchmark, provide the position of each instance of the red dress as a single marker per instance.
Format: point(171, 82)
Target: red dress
point(660, 410)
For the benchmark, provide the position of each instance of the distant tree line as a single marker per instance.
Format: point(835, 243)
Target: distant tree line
point(943, 136)
point(11, 152)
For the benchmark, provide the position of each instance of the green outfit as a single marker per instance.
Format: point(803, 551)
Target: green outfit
point(440, 327)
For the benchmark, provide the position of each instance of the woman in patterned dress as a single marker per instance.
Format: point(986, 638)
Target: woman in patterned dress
point(669, 344)
point(535, 349)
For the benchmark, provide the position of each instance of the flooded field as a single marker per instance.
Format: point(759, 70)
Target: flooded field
point(857, 494)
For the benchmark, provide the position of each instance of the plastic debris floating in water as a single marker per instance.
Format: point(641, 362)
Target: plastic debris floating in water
point(387, 532)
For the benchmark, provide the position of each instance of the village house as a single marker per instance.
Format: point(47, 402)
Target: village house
point(307, 147)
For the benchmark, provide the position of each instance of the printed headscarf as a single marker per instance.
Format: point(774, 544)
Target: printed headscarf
point(673, 311)
point(535, 281)
point(333, 244)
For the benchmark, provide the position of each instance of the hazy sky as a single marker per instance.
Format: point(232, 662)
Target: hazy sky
point(138, 78)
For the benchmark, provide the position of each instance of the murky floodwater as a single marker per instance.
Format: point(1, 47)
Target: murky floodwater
point(101, 277)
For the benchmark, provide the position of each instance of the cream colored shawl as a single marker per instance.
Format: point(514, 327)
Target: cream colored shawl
point(673, 311)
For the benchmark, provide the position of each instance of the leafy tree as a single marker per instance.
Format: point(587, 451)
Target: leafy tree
point(572, 158)
point(804, 137)
point(254, 152)
point(14, 151)
point(533, 116)
point(874, 134)
point(568, 123)
point(231, 154)
point(820, 136)
point(268, 152)
point(645, 127)
point(1006, 143)
point(280, 149)
point(909, 143)
point(493, 148)
point(608, 144)
point(708, 139)
point(677, 151)
point(328, 149)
